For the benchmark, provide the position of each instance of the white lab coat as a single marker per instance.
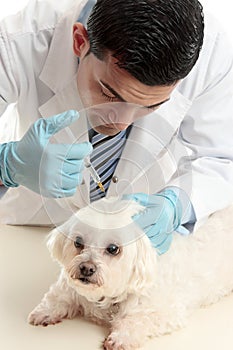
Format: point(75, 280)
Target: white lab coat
point(187, 143)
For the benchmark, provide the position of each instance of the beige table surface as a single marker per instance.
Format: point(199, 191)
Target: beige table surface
point(26, 272)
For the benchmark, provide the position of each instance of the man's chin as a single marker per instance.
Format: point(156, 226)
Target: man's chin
point(105, 130)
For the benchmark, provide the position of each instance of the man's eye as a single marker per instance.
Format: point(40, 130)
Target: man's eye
point(113, 249)
point(109, 98)
point(78, 243)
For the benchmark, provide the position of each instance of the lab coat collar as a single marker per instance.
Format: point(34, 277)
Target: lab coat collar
point(158, 128)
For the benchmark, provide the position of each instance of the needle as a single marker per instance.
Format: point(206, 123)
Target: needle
point(94, 174)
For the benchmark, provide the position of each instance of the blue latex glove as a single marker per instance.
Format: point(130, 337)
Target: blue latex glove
point(160, 218)
point(54, 170)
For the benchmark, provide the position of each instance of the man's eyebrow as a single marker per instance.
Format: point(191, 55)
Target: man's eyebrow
point(123, 100)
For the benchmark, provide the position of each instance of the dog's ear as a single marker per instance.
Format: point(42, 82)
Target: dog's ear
point(145, 266)
point(55, 243)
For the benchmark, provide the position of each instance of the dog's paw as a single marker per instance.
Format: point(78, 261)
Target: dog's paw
point(42, 318)
point(112, 344)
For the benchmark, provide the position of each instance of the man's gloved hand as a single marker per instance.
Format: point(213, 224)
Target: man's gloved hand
point(160, 218)
point(54, 170)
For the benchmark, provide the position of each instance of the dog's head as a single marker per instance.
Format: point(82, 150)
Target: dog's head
point(102, 250)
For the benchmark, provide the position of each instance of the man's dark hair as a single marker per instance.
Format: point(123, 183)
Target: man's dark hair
point(156, 41)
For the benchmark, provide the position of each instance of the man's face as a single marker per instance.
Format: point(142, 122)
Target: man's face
point(113, 98)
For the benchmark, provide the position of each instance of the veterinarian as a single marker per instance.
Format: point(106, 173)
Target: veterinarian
point(148, 54)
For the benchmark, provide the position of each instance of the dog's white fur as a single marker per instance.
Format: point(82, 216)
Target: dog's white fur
point(136, 293)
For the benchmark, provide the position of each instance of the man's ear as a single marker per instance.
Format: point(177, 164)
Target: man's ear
point(81, 44)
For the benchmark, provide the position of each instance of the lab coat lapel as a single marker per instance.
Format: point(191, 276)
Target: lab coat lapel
point(149, 139)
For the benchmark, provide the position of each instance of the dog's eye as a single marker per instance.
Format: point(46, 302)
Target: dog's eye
point(113, 249)
point(78, 243)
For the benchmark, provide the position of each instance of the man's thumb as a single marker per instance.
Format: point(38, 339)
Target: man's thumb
point(60, 121)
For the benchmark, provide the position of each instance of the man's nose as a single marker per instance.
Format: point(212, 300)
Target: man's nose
point(87, 268)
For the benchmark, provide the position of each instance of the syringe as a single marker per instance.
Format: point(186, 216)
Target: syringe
point(94, 174)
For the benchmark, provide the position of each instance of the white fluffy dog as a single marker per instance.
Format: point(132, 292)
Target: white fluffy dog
point(112, 275)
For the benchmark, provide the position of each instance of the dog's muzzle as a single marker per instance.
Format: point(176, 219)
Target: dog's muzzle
point(87, 269)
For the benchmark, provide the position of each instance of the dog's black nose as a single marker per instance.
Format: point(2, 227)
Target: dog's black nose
point(87, 268)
